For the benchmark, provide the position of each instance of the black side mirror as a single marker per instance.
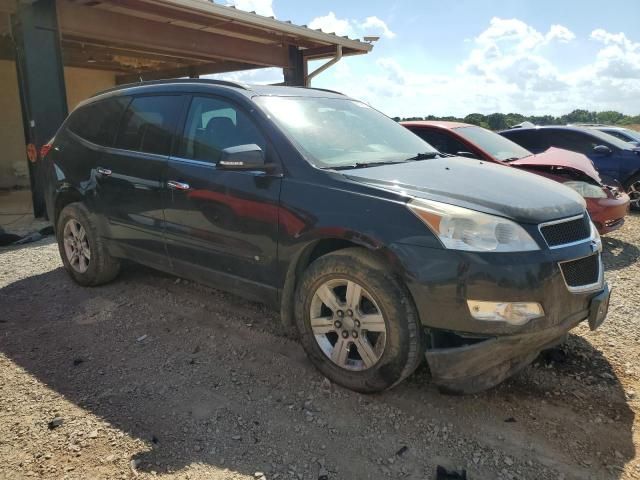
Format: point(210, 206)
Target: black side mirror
point(467, 154)
point(602, 149)
point(242, 157)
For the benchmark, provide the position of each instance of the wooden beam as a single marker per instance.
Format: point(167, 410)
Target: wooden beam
point(190, 71)
point(78, 22)
point(203, 22)
point(327, 52)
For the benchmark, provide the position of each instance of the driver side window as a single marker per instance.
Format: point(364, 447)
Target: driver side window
point(213, 125)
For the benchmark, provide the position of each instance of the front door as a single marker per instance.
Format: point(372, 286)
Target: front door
point(131, 177)
point(221, 225)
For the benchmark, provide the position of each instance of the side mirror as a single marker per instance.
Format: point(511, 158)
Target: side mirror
point(602, 149)
point(242, 157)
point(467, 154)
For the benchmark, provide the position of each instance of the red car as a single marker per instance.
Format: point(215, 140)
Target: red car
point(607, 205)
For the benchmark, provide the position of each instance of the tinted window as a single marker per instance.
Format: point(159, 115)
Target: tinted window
point(98, 122)
point(213, 125)
point(149, 124)
point(530, 139)
point(618, 134)
point(441, 141)
point(582, 142)
point(498, 147)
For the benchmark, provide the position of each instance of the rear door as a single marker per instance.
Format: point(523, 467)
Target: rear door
point(131, 177)
point(221, 225)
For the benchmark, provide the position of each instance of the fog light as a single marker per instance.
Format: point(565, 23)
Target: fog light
point(514, 313)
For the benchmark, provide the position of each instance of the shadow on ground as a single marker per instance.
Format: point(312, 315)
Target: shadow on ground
point(201, 377)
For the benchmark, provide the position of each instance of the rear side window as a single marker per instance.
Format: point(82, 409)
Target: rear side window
point(98, 122)
point(149, 124)
point(214, 124)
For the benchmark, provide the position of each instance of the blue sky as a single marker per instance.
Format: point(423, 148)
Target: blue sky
point(461, 56)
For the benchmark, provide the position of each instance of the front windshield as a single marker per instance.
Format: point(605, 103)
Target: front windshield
point(497, 146)
point(610, 139)
point(340, 132)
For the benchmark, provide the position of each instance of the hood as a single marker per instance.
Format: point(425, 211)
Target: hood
point(478, 185)
point(557, 157)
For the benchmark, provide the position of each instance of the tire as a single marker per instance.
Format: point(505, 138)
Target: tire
point(96, 269)
point(633, 190)
point(384, 302)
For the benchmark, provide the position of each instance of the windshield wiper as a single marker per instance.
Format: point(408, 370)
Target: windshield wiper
point(425, 156)
point(362, 165)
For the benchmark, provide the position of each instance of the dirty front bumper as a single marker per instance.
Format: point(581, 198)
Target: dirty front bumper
point(482, 365)
point(467, 355)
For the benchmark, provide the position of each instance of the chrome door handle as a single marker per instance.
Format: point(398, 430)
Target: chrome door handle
point(104, 171)
point(173, 185)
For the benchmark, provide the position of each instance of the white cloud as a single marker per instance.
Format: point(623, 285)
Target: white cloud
point(560, 33)
point(353, 28)
point(331, 24)
point(374, 25)
point(261, 7)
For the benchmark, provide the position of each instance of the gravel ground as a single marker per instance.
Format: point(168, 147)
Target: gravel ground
point(155, 376)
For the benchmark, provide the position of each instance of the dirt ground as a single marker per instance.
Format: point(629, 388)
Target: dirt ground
point(155, 376)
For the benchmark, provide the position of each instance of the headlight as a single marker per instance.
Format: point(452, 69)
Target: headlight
point(514, 313)
point(587, 190)
point(463, 229)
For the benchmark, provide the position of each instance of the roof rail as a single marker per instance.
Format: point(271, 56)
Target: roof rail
point(224, 83)
point(325, 90)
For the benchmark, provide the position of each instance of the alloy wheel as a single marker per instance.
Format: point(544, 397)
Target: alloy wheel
point(347, 324)
point(634, 194)
point(76, 246)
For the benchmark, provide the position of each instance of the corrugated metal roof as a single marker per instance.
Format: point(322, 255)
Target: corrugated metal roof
point(270, 23)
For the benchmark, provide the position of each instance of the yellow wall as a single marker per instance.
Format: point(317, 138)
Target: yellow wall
point(13, 162)
point(81, 83)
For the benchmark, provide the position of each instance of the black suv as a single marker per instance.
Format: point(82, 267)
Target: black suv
point(374, 246)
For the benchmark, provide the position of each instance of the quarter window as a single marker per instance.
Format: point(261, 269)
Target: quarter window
point(149, 124)
point(213, 125)
point(98, 122)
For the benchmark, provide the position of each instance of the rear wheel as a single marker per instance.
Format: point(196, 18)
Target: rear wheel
point(357, 322)
point(633, 189)
point(83, 252)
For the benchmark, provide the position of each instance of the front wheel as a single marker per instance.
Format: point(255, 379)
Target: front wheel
point(357, 322)
point(633, 190)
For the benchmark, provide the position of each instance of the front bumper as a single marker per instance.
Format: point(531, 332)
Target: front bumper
point(608, 213)
point(477, 367)
point(466, 355)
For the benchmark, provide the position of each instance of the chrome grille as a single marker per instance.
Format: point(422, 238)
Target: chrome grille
point(567, 231)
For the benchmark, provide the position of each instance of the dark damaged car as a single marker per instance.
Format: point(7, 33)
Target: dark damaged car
point(374, 247)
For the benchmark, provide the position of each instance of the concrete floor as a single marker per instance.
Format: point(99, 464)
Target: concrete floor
point(16, 213)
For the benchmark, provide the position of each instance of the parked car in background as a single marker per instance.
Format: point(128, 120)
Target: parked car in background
point(615, 160)
point(378, 248)
point(624, 134)
point(606, 205)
